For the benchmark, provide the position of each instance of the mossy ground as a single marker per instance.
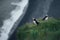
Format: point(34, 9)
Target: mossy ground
point(46, 30)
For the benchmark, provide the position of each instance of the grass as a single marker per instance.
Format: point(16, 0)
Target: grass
point(46, 30)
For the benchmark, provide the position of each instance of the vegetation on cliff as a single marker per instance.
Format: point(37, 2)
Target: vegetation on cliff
point(46, 30)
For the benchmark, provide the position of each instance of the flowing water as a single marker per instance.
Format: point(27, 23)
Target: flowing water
point(15, 15)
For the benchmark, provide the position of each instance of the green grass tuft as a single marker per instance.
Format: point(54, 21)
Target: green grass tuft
point(46, 30)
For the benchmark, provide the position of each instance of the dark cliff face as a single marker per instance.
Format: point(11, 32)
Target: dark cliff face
point(54, 10)
point(36, 9)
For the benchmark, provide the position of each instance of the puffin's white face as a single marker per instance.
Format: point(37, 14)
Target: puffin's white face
point(34, 22)
point(46, 18)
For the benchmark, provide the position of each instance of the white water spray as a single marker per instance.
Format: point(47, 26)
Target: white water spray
point(15, 15)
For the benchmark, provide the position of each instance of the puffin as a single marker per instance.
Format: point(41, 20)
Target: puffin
point(35, 21)
point(45, 18)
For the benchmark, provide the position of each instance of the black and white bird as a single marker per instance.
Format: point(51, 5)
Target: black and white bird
point(45, 18)
point(35, 21)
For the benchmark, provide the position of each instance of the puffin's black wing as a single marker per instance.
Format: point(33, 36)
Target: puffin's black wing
point(44, 18)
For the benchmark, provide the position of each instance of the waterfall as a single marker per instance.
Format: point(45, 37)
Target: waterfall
point(15, 15)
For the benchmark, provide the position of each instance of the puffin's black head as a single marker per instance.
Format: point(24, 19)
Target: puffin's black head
point(34, 19)
point(46, 16)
